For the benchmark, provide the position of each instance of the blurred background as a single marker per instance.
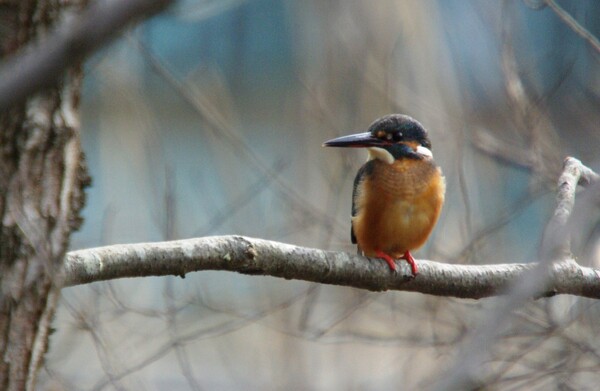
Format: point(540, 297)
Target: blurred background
point(209, 120)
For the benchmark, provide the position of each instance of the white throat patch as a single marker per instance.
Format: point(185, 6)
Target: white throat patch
point(381, 154)
point(385, 156)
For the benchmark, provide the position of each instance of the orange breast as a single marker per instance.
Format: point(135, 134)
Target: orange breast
point(398, 206)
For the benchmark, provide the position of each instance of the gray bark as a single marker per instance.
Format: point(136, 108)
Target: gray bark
point(42, 176)
point(556, 273)
point(42, 168)
point(256, 256)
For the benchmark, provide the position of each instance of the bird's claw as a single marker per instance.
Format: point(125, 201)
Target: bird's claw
point(394, 268)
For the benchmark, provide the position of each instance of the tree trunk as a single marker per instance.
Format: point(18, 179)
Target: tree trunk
point(42, 176)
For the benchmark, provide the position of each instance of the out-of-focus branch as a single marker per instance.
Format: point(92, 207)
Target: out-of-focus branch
point(530, 116)
point(262, 257)
point(466, 373)
point(511, 153)
point(41, 65)
point(574, 25)
point(556, 245)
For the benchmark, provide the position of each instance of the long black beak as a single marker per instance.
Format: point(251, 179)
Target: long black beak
point(358, 140)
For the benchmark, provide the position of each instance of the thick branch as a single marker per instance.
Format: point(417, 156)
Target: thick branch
point(42, 65)
point(256, 256)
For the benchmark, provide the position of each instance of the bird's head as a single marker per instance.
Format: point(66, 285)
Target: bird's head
point(391, 137)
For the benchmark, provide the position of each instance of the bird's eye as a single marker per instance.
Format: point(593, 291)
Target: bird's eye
point(397, 136)
point(389, 136)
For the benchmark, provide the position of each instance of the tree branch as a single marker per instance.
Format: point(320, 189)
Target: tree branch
point(556, 244)
point(466, 371)
point(574, 25)
point(262, 257)
point(42, 64)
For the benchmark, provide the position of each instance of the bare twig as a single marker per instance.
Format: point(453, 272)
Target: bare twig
point(222, 128)
point(41, 66)
point(557, 243)
point(574, 25)
point(506, 151)
point(530, 115)
point(466, 373)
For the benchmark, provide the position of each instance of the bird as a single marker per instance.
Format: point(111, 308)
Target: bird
point(398, 193)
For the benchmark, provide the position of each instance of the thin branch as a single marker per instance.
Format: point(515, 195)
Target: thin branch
point(222, 129)
point(262, 257)
point(41, 65)
point(509, 152)
point(466, 373)
point(557, 244)
point(574, 25)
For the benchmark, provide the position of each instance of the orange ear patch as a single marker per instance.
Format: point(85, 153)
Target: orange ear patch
point(412, 144)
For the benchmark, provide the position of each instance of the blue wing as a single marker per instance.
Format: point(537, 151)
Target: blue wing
point(365, 170)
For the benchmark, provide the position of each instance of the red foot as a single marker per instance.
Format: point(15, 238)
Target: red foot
point(411, 261)
point(387, 258)
point(390, 261)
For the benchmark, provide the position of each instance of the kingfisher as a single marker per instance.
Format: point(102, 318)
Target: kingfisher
point(398, 193)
